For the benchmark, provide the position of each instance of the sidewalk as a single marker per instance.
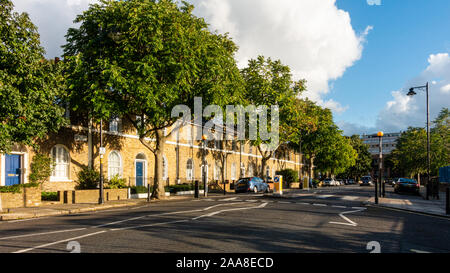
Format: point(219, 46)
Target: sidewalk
point(54, 209)
point(412, 203)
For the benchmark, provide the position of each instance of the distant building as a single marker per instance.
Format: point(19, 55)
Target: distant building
point(389, 144)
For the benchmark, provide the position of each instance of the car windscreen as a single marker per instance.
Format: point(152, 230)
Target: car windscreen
point(243, 181)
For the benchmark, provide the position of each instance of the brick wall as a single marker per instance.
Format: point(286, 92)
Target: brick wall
point(92, 196)
point(29, 197)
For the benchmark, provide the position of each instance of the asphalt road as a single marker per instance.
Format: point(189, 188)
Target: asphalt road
point(331, 220)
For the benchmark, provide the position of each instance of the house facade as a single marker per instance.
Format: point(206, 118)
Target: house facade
point(78, 145)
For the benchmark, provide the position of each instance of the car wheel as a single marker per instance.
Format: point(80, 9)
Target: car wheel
point(255, 189)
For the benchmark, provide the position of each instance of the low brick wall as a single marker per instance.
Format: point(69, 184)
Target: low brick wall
point(58, 186)
point(29, 197)
point(91, 196)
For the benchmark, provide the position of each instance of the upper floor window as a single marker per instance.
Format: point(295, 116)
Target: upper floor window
point(114, 124)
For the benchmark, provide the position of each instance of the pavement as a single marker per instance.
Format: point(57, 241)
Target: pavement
point(407, 202)
point(413, 203)
point(56, 208)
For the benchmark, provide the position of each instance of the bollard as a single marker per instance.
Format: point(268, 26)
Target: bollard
point(447, 195)
point(196, 189)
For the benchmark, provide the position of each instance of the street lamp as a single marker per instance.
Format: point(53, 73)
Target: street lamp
point(204, 178)
point(413, 93)
point(380, 164)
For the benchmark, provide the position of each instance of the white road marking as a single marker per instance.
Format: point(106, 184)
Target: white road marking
point(340, 207)
point(220, 211)
point(229, 199)
point(162, 214)
point(251, 200)
point(25, 220)
point(284, 202)
point(349, 198)
point(320, 205)
point(419, 251)
point(43, 233)
point(58, 242)
point(149, 225)
point(349, 222)
point(325, 196)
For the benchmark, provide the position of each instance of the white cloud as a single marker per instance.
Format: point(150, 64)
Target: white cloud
point(403, 111)
point(374, 2)
point(314, 38)
point(53, 18)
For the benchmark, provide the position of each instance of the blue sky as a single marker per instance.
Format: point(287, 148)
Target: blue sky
point(358, 59)
point(404, 34)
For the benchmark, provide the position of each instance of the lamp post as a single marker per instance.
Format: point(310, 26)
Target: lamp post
point(380, 164)
point(204, 178)
point(101, 199)
point(413, 93)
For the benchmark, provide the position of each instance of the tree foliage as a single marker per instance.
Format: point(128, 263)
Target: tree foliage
point(363, 163)
point(410, 154)
point(143, 58)
point(31, 88)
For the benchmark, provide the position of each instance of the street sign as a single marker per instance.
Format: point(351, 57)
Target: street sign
point(102, 150)
point(278, 185)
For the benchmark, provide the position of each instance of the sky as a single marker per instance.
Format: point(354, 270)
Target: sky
point(359, 57)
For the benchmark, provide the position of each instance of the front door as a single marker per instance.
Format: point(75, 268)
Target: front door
point(139, 173)
point(12, 169)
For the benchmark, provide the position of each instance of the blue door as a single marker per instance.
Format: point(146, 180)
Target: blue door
point(139, 173)
point(12, 169)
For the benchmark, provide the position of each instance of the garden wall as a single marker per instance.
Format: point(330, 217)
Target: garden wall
point(91, 196)
point(28, 197)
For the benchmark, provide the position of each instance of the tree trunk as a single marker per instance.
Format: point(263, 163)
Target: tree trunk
point(158, 184)
point(311, 168)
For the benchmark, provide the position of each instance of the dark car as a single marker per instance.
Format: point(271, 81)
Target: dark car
point(351, 182)
point(366, 181)
point(407, 185)
point(251, 184)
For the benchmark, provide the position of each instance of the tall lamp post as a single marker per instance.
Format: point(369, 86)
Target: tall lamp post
point(204, 178)
point(101, 199)
point(413, 93)
point(380, 164)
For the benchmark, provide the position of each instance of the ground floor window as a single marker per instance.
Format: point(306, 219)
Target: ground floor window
point(61, 160)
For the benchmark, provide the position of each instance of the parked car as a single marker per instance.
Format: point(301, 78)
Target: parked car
point(407, 185)
point(329, 182)
point(341, 182)
point(251, 184)
point(366, 181)
point(351, 182)
point(269, 181)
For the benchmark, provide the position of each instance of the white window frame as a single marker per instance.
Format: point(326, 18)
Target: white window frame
point(110, 175)
point(190, 171)
point(165, 173)
point(233, 171)
point(114, 125)
point(53, 177)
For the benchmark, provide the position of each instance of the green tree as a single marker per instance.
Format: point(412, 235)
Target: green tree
point(440, 141)
point(31, 88)
point(363, 163)
point(326, 148)
point(41, 168)
point(269, 83)
point(140, 59)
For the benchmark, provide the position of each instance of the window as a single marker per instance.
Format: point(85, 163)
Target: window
point(267, 171)
point(233, 171)
point(165, 168)
point(217, 171)
point(114, 124)
point(61, 160)
point(114, 164)
point(190, 170)
point(242, 170)
point(250, 170)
